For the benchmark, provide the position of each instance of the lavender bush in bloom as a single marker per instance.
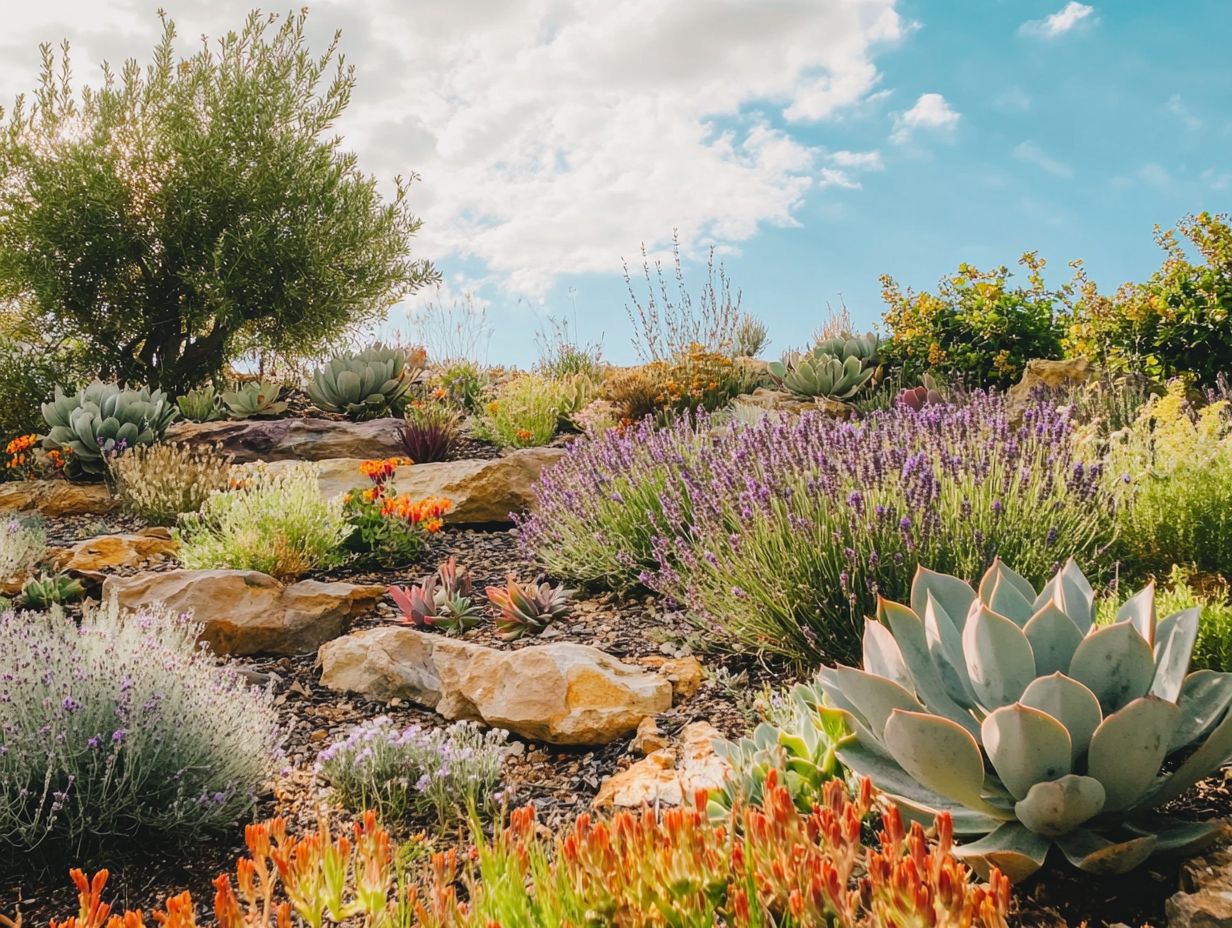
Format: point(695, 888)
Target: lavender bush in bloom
point(798, 526)
point(599, 509)
point(120, 727)
point(438, 772)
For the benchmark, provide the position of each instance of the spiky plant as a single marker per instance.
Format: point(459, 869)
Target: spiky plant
point(528, 609)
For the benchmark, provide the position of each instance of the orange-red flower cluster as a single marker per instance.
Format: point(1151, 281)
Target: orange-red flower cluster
point(426, 512)
point(381, 469)
point(23, 461)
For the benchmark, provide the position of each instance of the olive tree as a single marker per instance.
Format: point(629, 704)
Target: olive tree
point(190, 211)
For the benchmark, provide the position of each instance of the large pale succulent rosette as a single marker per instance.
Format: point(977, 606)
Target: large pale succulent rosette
point(1032, 725)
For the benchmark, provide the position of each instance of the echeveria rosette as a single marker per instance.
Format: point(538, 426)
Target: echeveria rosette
point(365, 385)
point(1030, 724)
point(103, 419)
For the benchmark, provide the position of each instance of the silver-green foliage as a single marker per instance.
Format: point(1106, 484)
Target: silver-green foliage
point(1033, 725)
point(364, 385)
point(201, 404)
point(256, 400)
point(23, 545)
point(836, 367)
point(127, 727)
point(104, 419)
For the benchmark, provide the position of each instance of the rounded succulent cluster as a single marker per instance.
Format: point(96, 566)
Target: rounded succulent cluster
point(103, 419)
point(364, 385)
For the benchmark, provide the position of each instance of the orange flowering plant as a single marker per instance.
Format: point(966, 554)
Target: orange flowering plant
point(24, 463)
point(391, 528)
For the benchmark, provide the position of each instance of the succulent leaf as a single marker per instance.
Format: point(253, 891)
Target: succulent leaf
point(1174, 643)
point(1116, 664)
point(1205, 697)
point(875, 697)
point(1026, 746)
point(1055, 808)
point(1054, 639)
point(1000, 662)
point(1011, 848)
point(955, 596)
point(1071, 704)
point(882, 655)
point(1128, 747)
point(1092, 853)
point(1072, 593)
point(945, 646)
point(1212, 754)
point(1139, 611)
point(941, 755)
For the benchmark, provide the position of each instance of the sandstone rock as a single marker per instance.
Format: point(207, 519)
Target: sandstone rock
point(1041, 374)
point(685, 674)
point(247, 612)
point(648, 738)
point(109, 552)
point(302, 438)
point(671, 776)
point(561, 693)
point(56, 498)
point(1205, 900)
point(482, 492)
point(781, 401)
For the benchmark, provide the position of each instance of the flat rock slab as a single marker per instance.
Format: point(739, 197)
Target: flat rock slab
point(483, 492)
point(294, 439)
point(560, 693)
point(56, 498)
point(112, 552)
point(247, 612)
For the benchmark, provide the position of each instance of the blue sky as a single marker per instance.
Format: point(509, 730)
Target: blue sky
point(816, 143)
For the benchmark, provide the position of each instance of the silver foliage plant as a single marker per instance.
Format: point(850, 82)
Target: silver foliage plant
point(123, 726)
point(1032, 725)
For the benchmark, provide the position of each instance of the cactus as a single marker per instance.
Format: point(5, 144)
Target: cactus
point(201, 405)
point(365, 385)
point(103, 419)
point(1031, 725)
point(258, 400)
point(528, 609)
point(46, 590)
point(442, 601)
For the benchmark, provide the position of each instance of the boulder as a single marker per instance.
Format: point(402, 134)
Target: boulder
point(1205, 899)
point(482, 491)
point(560, 693)
point(248, 612)
point(294, 439)
point(56, 498)
point(671, 776)
point(781, 401)
point(1041, 374)
point(111, 552)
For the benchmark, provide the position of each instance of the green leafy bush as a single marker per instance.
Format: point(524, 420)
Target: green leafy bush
point(274, 521)
point(976, 327)
point(442, 773)
point(1032, 725)
point(128, 729)
point(47, 590)
point(181, 215)
point(29, 375)
point(157, 483)
point(462, 383)
point(523, 412)
point(1178, 322)
point(1173, 471)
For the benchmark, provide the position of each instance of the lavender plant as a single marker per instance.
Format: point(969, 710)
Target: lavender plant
point(796, 527)
point(439, 772)
point(122, 727)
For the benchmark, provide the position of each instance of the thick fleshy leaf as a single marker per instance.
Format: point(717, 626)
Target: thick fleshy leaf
point(876, 697)
point(882, 656)
point(1212, 754)
point(1128, 748)
point(1205, 696)
point(1139, 611)
point(1058, 807)
point(1054, 639)
point(1174, 642)
point(1026, 746)
point(1000, 662)
point(965, 821)
point(998, 572)
point(940, 754)
point(1008, 601)
point(1012, 849)
point(852, 716)
point(1116, 664)
point(929, 689)
point(1072, 592)
point(1180, 838)
point(1071, 704)
point(945, 646)
point(955, 596)
point(1094, 854)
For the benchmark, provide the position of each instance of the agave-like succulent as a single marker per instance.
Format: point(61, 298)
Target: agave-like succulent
point(441, 601)
point(822, 375)
point(256, 400)
point(528, 609)
point(1030, 724)
point(104, 419)
point(46, 590)
point(365, 385)
point(847, 346)
point(202, 404)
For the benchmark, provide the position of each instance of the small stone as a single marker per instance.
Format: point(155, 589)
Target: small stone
point(671, 776)
point(318, 736)
point(648, 738)
point(685, 674)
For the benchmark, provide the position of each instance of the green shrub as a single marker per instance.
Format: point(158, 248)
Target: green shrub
point(128, 729)
point(157, 483)
point(523, 412)
point(29, 375)
point(274, 521)
point(1178, 322)
point(47, 590)
point(976, 327)
point(442, 773)
point(1173, 471)
point(256, 400)
point(462, 383)
point(365, 384)
point(182, 215)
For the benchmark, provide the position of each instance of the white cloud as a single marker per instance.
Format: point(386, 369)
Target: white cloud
point(1068, 18)
point(843, 165)
point(1216, 180)
point(554, 136)
point(862, 160)
point(931, 112)
point(1033, 154)
point(1178, 108)
point(837, 177)
point(1012, 100)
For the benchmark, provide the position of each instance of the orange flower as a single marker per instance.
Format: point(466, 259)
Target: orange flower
point(439, 393)
point(524, 435)
point(381, 469)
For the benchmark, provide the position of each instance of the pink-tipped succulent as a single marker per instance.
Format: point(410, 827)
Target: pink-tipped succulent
point(441, 601)
point(528, 609)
